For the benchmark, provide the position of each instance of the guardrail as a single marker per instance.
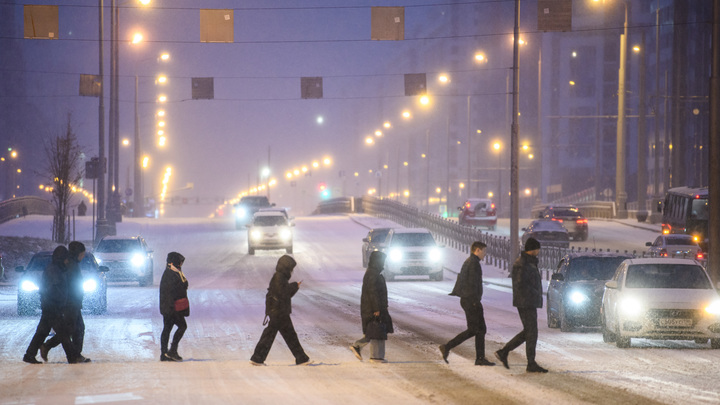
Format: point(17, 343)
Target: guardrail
point(21, 206)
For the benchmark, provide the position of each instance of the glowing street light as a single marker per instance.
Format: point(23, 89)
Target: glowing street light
point(378, 133)
point(406, 114)
point(162, 98)
point(137, 38)
point(369, 140)
point(387, 124)
point(327, 161)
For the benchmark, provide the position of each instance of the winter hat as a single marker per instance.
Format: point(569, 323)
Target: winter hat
point(76, 248)
point(59, 254)
point(531, 244)
point(175, 258)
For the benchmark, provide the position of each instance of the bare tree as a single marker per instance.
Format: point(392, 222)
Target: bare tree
point(63, 156)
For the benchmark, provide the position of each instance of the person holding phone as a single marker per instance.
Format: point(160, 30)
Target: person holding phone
point(173, 291)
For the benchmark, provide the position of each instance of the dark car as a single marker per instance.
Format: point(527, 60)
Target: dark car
point(478, 212)
point(372, 242)
point(547, 232)
point(128, 257)
point(94, 284)
point(571, 218)
point(247, 207)
point(576, 289)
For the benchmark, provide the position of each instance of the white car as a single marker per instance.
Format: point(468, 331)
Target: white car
point(675, 245)
point(412, 252)
point(659, 298)
point(127, 257)
point(269, 230)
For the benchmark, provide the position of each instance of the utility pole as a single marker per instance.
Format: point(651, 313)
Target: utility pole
point(714, 145)
point(642, 140)
point(514, 144)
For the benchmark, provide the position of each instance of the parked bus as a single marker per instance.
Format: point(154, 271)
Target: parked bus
point(685, 210)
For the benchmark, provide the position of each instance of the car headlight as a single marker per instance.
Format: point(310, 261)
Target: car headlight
point(28, 286)
point(395, 255)
point(90, 285)
point(631, 307)
point(240, 213)
point(435, 255)
point(98, 260)
point(255, 234)
point(285, 234)
point(137, 260)
point(713, 308)
point(577, 297)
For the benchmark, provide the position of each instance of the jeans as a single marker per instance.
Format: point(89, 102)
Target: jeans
point(475, 327)
point(529, 334)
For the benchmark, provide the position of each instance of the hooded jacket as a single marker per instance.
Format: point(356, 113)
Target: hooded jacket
point(526, 282)
point(281, 290)
point(374, 296)
point(54, 288)
point(469, 281)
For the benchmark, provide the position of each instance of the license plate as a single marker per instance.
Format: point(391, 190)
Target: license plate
point(678, 322)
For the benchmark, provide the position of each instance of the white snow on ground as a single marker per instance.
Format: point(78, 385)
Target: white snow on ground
point(227, 289)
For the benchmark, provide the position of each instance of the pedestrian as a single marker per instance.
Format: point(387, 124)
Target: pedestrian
point(278, 307)
point(174, 306)
point(527, 298)
point(82, 209)
point(374, 310)
point(72, 312)
point(468, 287)
point(53, 298)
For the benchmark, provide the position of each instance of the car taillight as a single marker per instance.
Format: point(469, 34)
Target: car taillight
point(467, 205)
point(557, 219)
point(582, 221)
point(663, 253)
point(699, 256)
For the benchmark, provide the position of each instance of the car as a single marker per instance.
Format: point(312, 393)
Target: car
point(372, 242)
point(412, 251)
point(94, 284)
point(575, 291)
point(128, 257)
point(247, 207)
point(269, 230)
point(281, 210)
point(675, 245)
point(571, 218)
point(547, 232)
point(660, 298)
point(478, 212)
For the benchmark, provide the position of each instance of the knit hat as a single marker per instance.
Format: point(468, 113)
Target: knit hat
point(76, 248)
point(175, 258)
point(531, 244)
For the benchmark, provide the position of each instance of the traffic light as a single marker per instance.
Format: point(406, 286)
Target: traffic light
point(324, 191)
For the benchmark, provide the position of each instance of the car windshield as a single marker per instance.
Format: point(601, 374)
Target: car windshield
point(39, 262)
point(679, 241)
point(547, 226)
point(88, 263)
point(379, 236)
point(269, 220)
point(593, 268)
point(118, 245)
point(666, 275)
point(413, 239)
point(255, 202)
point(567, 212)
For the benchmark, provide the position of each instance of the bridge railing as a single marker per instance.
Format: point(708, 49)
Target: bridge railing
point(17, 207)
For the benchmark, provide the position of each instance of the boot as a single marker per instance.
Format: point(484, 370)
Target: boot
point(535, 368)
point(44, 350)
point(30, 359)
point(172, 353)
point(503, 357)
point(445, 352)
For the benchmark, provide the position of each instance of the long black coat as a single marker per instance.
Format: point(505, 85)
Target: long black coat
point(172, 288)
point(278, 301)
point(526, 282)
point(54, 286)
point(374, 293)
point(75, 284)
point(469, 281)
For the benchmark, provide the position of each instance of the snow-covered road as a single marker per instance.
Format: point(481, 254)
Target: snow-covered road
point(227, 289)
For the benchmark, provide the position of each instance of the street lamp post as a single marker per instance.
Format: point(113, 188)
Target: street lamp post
point(620, 194)
point(138, 203)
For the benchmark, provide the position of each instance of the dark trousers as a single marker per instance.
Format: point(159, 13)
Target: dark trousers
point(529, 334)
point(52, 320)
point(168, 322)
point(75, 326)
point(475, 327)
point(284, 325)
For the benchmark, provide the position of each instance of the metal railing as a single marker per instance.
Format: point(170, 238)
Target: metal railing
point(21, 206)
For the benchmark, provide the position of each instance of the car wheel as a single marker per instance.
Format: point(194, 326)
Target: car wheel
point(437, 276)
point(701, 341)
point(715, 343)
point(623, 342)
point(147, 280)
point(608, 337)
point(251, 251)
point(289, 250)
point(552, 322)
point(565, 324)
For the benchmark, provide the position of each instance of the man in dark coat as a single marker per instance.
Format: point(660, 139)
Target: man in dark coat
point(53, 298)
point(468, 287)
point(527, 297)
point(278, 308)
point(374, 305)
point(173, 287)
point(72, 313)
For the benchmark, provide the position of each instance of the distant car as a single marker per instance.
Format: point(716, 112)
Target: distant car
point(128, 257)
point(412, 251)
point(247, 207)
point(675, 245)
point(372, 242)
point(94, 284)
point(269, 230)
point(661, 298)
point(547, 232)
point(478, 212)
point(575, 292)
point(570, 217)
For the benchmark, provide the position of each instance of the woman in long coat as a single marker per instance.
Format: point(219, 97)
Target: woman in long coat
point(173, 287)
point(374, 306)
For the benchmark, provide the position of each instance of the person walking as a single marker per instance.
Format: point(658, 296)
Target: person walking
point(174, 306)
point(278, 307)
point(53, 298)
point(374, 308)
point(527, 298)
point(72, 313)
point(468, 287)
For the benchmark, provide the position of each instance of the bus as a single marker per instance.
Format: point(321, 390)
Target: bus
point(685, 210)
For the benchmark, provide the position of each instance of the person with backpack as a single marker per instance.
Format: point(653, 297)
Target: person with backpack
point(278, 308)
point(174, 306)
